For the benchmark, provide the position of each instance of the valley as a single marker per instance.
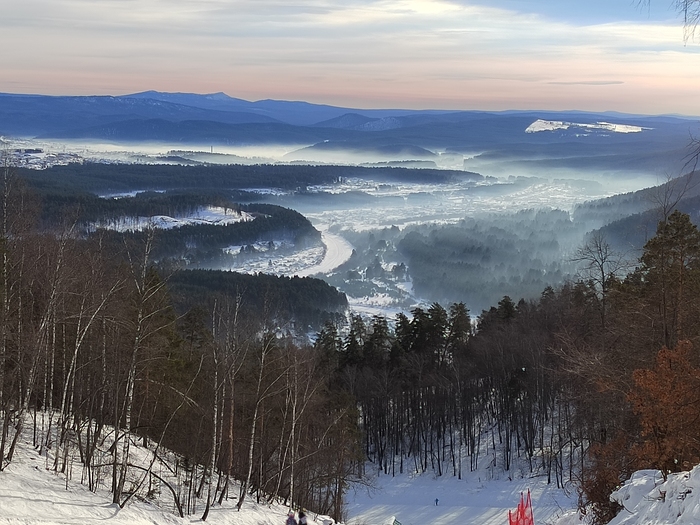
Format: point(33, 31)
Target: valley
point(356, 210)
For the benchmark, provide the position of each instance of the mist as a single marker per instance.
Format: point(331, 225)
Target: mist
point(501, 224)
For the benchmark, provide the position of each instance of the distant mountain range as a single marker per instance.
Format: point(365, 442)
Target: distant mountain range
point(217, 119)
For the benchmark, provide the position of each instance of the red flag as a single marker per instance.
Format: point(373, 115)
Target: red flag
point(528, 506)
point(523, 514)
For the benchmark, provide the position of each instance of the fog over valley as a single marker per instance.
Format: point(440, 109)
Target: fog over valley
point(500, 221)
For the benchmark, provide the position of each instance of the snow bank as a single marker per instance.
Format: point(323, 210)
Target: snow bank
point(648, 500)
point(32, 494)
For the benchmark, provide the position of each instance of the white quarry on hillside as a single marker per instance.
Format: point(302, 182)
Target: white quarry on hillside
point(553, 125)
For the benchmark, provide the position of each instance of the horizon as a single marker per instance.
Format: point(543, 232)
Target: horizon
point(611, 112)
point(447, 55)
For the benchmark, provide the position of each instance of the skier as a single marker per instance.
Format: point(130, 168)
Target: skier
point(436, 502)
point(302, 518)
point(290, 518)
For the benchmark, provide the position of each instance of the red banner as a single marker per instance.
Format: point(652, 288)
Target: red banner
point(523, 514)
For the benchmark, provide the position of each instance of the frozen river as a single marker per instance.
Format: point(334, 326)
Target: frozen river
point(337, 251)
point(303, 263)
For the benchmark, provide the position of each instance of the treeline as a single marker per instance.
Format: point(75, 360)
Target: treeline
point(296, 305)
point(106, 178)
point(97, 358)
point(630, 219)
point(90, 208)
point(630, 233)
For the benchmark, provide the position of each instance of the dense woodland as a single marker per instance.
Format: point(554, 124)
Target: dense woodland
point(101, 351)
point(476, 260)
point(480, 260)
point(106, 178)
point(295, 305)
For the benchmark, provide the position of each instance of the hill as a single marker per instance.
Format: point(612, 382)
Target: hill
point(533, 139)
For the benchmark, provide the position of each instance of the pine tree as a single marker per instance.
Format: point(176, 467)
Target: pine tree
point(671, 272)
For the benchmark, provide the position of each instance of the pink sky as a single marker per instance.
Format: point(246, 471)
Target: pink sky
point(358, 53)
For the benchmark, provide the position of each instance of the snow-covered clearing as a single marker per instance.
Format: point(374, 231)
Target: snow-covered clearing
point(215, 215)
point(31, 493)
point(475, 499)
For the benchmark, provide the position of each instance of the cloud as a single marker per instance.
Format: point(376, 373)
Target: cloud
point(417, 53)
point(588, 83)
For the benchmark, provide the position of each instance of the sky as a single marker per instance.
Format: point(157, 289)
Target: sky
point(594, 55)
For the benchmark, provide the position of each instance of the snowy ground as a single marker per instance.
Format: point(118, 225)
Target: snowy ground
point(472, 500)
point(649, 500)
point(31, 493)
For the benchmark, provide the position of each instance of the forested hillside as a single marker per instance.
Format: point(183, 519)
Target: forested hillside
point(101, 347)
point(171, 222)
point(592, 381)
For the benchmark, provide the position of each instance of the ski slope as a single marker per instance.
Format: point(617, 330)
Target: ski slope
point(32, 494)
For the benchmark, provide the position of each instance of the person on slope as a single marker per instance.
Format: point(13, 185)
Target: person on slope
point(302, 518)
point(290, 518)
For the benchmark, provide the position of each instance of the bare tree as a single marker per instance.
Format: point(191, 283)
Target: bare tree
point(6, 177)
point(666, 196)
point(688, 9)
point(600, 264)
point(145, 320)
point(267, 353)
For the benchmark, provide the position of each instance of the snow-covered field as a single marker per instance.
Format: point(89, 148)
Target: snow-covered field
point(476, 499)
